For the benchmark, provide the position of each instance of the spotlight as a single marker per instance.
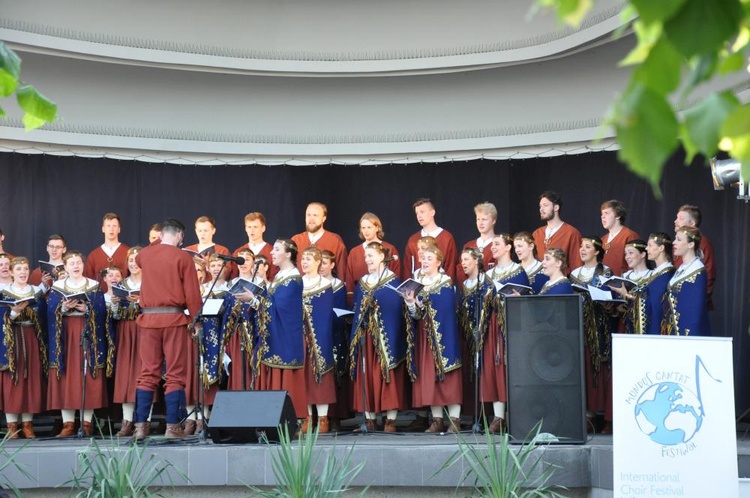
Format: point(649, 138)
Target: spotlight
point(728, 172)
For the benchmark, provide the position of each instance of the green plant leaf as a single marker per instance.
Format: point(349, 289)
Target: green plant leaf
point(662, 70)
point(647, 132)
point(647, 35)
point(702, 26)
point(2, 113)
point(731, 63)
point(9, 61)
point(735, 134)
point(702, 124)
point(659, 10)
point(8, 83)
point(570, 12)
point(38, 108)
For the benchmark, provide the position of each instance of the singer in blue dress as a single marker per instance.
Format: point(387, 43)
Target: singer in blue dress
point(377, 344)
point(67, 319)
point(433, 344)
point(317, 297)
point(476, 316)
point(523, 245)
point(281, 345)
point(686, 302)
point(555, 266)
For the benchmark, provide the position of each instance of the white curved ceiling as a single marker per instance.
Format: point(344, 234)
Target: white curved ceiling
point(307, 82)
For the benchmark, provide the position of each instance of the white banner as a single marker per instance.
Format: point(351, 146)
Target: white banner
point(674, 429)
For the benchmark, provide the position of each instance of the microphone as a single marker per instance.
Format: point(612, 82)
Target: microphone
point(226, 257)
point(257, 262)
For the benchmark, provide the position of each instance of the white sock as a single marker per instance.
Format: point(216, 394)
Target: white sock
point(88, 415)
point(370, 415)
point(68, 415)
point(391, 414)
point(11, 417)
point(437, 411)
point(128, 409)
point(322, 410)
point(309, 410)
point(498, 407)
point(27, 417)
point(454, 411)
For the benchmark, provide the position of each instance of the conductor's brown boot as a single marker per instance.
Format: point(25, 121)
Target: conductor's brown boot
point(174, 431)
point(141, 430)
point(13, 430)
point(437, 425)
point(27, 429)
point(189, 427)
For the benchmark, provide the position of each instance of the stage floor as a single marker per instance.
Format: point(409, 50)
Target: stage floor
point(401, 460)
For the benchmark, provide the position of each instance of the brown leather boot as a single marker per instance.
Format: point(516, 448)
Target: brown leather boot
point(390, 425)
point(87, 429)
point(436, 426)
point(13, 430)
point(198, 426)
point(306, 424)
point(126, 429)
point(324, 425)
point(189, 427)
point(455, 425)
point(141, 430)
point(174, 431)
point(497, 426)
point(68, 429)
point(27, 429)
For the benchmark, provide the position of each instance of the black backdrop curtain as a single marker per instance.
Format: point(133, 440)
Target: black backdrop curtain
point(40, 195)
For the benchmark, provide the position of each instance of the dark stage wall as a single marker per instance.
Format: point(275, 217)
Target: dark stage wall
point(40, 195)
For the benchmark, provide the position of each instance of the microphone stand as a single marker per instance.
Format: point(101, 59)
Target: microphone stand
point(200, 363)
point(476, 428)
point(85, 345)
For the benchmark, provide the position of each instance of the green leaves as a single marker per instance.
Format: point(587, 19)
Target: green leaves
point(682, 44)
point(646, 130)
point(700, 129)
point(702, 26)
point(38, 109)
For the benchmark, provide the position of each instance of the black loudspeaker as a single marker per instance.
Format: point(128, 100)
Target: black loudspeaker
point(240, 417)
point(546, 378)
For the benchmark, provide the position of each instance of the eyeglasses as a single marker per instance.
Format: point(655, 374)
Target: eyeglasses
point(55, 247)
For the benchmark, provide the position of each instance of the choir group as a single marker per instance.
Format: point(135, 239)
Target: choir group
point(336, 328)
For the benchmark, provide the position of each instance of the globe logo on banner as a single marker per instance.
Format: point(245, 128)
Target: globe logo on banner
point(669, 413)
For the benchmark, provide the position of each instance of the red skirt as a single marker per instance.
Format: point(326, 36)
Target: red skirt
point(493, 386)
point(128, 366)
point(380, 395)
point(191, 381)
point(594, 384)
point(24, 395)
point(234, 350)
point(319, 394)
point(428, 390)
point(285, 379)
point(65, 393)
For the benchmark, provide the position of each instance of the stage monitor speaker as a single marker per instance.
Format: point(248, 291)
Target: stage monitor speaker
point(240, 417)
point(546, 378)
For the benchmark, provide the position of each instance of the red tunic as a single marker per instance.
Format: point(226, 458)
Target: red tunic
point(614, 255)
point(356, 267)
point(379, 395)
point(567, 238)
point(447, 245)
point(98, 260)
point(169, 279)
point(329, 241)
point(266, 251)
point(487, 259)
